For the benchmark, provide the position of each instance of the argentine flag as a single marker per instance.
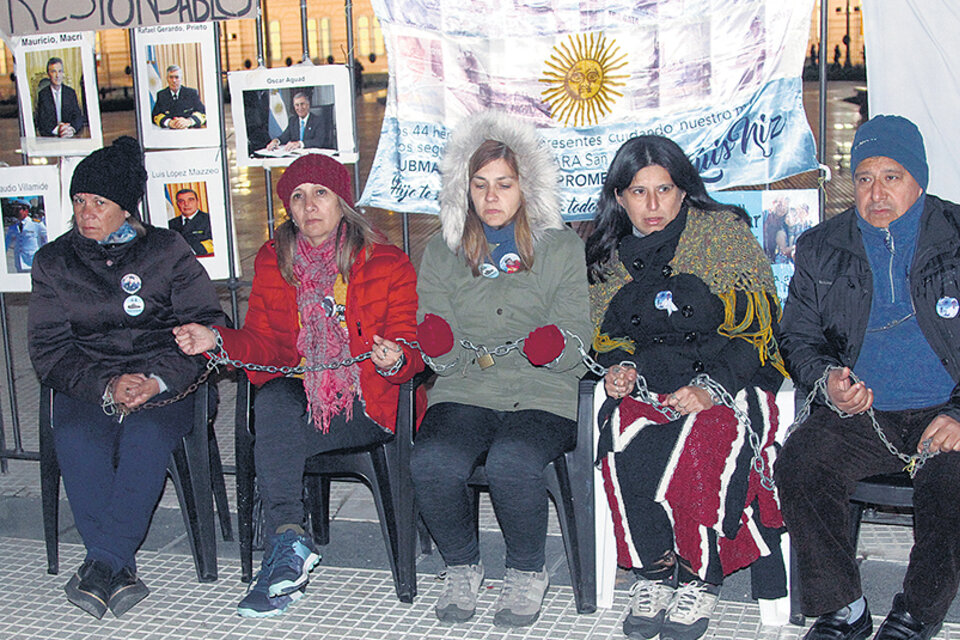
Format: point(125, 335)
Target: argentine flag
point(278, 114)
point(155, 82)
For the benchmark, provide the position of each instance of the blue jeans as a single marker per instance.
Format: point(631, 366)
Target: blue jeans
point(114, 473)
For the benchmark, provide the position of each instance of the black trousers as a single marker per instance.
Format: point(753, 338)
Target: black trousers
point(514, 447)
point(817, 471)
point(286, 437)
point(114, 472)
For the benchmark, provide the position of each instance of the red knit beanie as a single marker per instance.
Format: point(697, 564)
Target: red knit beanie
point(316, 168)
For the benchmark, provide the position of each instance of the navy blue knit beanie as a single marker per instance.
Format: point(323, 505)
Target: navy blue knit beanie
point(896, 138)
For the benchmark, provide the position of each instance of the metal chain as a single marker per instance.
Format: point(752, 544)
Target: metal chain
point(221, 356)
point(113, 408)
point(912, 463)
point(719, 395)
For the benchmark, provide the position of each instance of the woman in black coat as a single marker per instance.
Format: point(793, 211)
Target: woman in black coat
point(684, 302)
point(106, 296)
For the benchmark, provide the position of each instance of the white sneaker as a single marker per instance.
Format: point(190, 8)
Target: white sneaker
point(689, 613)
point(458, 602)
point(649, 601)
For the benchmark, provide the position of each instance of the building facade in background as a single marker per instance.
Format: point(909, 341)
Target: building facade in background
point(327, 37)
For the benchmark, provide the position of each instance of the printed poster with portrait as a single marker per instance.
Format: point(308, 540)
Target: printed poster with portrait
point(177, 86)
point(281, 114)
point(185, 193)
point(32, 217)
point(777, 218)
point(57, 85)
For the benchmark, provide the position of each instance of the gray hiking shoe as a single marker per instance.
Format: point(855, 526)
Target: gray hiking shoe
point(649, 601)
point(689, 613)
point(520, 598)
point(458, 602)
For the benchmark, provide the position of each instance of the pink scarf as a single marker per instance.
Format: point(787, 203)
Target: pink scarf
point(322, 339)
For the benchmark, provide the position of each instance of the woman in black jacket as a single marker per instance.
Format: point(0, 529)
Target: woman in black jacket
point(106, 296)
point(684, 301)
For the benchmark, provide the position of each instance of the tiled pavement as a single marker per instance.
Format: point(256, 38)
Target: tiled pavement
point(351, 594)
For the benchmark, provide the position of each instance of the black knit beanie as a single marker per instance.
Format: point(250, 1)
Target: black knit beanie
point(115, 172)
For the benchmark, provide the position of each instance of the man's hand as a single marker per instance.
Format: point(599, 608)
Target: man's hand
point(849, 398)
point(293, 144)
point(180, 123)
point(273, 144)
point(65, 130)
point(943, 433)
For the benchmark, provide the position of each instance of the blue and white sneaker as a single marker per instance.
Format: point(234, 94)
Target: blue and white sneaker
point(257, 604)
point(290, 561)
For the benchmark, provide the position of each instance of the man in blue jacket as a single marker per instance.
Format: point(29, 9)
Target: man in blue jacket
point(873, 312)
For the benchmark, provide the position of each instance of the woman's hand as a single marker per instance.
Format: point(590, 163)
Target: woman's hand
point(195, 338)
point(384, 353)
point(620, 380)
point(690, 399)
point(133, 389)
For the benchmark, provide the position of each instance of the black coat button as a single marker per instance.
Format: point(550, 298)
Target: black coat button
point(690, 337)
point(667, 271)
point(698, 366)
point(499, 312)
point(658, 340)
point(945, 362)
point(635, 321)
point(687, 311)
point(638, 264)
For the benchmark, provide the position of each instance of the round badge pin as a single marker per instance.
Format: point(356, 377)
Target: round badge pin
point(487, 270)
point(133, 305)
point(948, 307)
point(510, 263)
point(664, 302)
point(130, 283)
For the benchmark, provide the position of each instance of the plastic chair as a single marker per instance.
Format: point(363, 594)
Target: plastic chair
point(194, 466)
point(569, 480)
point(378, 467)
point(894, 490)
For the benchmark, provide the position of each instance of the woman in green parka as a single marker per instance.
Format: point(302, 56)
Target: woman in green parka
point(504, 268)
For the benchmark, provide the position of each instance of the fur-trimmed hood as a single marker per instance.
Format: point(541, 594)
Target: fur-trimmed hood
point(538, 172)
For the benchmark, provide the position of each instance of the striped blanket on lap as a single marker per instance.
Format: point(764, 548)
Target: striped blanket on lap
point(699, 468)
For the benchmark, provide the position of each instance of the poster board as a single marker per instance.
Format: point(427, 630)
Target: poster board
point(178, 105)
point(191, 182)
point(32, 216)
point(263, 107)
point(66, 121)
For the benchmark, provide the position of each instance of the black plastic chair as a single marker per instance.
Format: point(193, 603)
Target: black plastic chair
point(195, 468)
point(378, 467)
point(569, 480)
point(892, 490)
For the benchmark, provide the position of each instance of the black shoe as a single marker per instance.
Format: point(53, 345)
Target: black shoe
point(126, 590)
point(900, 625)
point(89, 588)
point(834, 626)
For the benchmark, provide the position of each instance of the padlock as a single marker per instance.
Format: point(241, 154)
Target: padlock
point(485, 360)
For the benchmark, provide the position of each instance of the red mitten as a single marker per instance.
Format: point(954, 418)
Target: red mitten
point(543, 345)
point(434, 335)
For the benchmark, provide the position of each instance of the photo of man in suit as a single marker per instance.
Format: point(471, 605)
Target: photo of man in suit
point(178, 107)
point(58, 112)
point(193, 224)
point(307, 130)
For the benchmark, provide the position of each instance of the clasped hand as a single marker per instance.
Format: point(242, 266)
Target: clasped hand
point(133, 389)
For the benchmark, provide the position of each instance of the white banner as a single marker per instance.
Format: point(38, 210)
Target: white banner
point(912, 57)
point(722, 79)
